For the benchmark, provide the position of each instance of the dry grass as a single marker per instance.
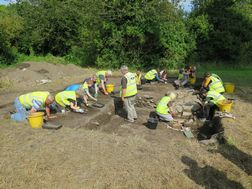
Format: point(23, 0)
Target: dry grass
point(119, 156)
point(79, 158)
point(5, 82)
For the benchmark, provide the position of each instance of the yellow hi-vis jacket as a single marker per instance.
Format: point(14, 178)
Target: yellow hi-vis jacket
point(180, 76)
point(62, 98)
point(162, 106)
point(216, 85)
point(138, 79)
point(150, 75)
point(216, 76)
point(84, 86)
point(215, 97)
point(98, 81)
point(131, 88)
point(26, 99)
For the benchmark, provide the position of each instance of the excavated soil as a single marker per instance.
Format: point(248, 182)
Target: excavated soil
point(100, 150)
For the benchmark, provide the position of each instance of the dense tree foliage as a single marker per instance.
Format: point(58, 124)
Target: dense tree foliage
point(139, 33)
point(223, 29)
point(11, 25)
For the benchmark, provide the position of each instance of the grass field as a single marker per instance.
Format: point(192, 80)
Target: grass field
point(241, 77)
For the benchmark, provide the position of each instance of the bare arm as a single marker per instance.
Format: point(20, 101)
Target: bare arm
point(123, 94)
point(48, 113)
point(89, 95)
point(103, 87)
point(74, 106)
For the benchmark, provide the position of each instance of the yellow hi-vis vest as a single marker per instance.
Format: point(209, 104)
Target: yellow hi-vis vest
point(150, 75)
point(84, 86)
point(62, 98)
point(131, 88)
point(217, 77)
point(180, 76)
point(216, 85)
point(162, 106)
point(26, 99)
point(138, 79)
point(215, 97)
point(98, 81)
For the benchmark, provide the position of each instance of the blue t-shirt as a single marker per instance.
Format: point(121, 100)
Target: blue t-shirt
point(73, 87)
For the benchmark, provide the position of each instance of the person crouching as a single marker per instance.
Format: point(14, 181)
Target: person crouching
point(163, 107)
point(30, 103)
point(67, 100)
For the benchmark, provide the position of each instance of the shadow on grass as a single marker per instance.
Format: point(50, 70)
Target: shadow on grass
point(230, 152)
point(236, 156)
point(210, 128)
point(208, 176)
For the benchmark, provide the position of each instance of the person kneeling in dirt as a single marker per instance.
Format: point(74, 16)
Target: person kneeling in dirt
point(163, 75)
point(66, 100)
point(183, 78)
point(212, 100)
point(30, 103)
point(163, 107)
point(152, 76)
point(212, 82)
point(128, 92)
point(93, 89)
point(139, 79)
point(85, 87)
point(101, 79)
point(192, 74)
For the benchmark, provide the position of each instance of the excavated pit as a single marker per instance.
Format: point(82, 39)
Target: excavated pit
point(93, 119)
point(110, 118)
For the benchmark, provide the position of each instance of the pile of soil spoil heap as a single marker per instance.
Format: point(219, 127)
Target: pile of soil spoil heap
point(30, 74)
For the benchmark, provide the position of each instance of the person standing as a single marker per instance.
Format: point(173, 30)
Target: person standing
point(128, 93)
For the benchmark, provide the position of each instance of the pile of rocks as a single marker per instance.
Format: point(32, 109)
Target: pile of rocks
point(145, 101)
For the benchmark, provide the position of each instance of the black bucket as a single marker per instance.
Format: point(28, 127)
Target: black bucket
point(119, 110)
point(152, 123)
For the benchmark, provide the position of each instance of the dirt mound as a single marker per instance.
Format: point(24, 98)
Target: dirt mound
point(31, 76)
point(37, 71)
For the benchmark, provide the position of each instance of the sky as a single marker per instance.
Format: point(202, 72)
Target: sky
point(186, 4)
point(3, 2)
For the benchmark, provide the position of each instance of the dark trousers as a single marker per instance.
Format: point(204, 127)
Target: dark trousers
point(209, 110)
point(153, 80)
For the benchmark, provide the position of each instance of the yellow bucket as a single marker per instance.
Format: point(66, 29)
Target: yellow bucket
point(110, 88)
point(192, 81)
point(225, 105)
point(36, 119)
point(229, 87)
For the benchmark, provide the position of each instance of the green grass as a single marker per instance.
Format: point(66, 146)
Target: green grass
point(32, 58)
point(240, 77)
point(48, 58)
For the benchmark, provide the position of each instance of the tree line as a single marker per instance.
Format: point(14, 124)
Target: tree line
point(138, 33)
